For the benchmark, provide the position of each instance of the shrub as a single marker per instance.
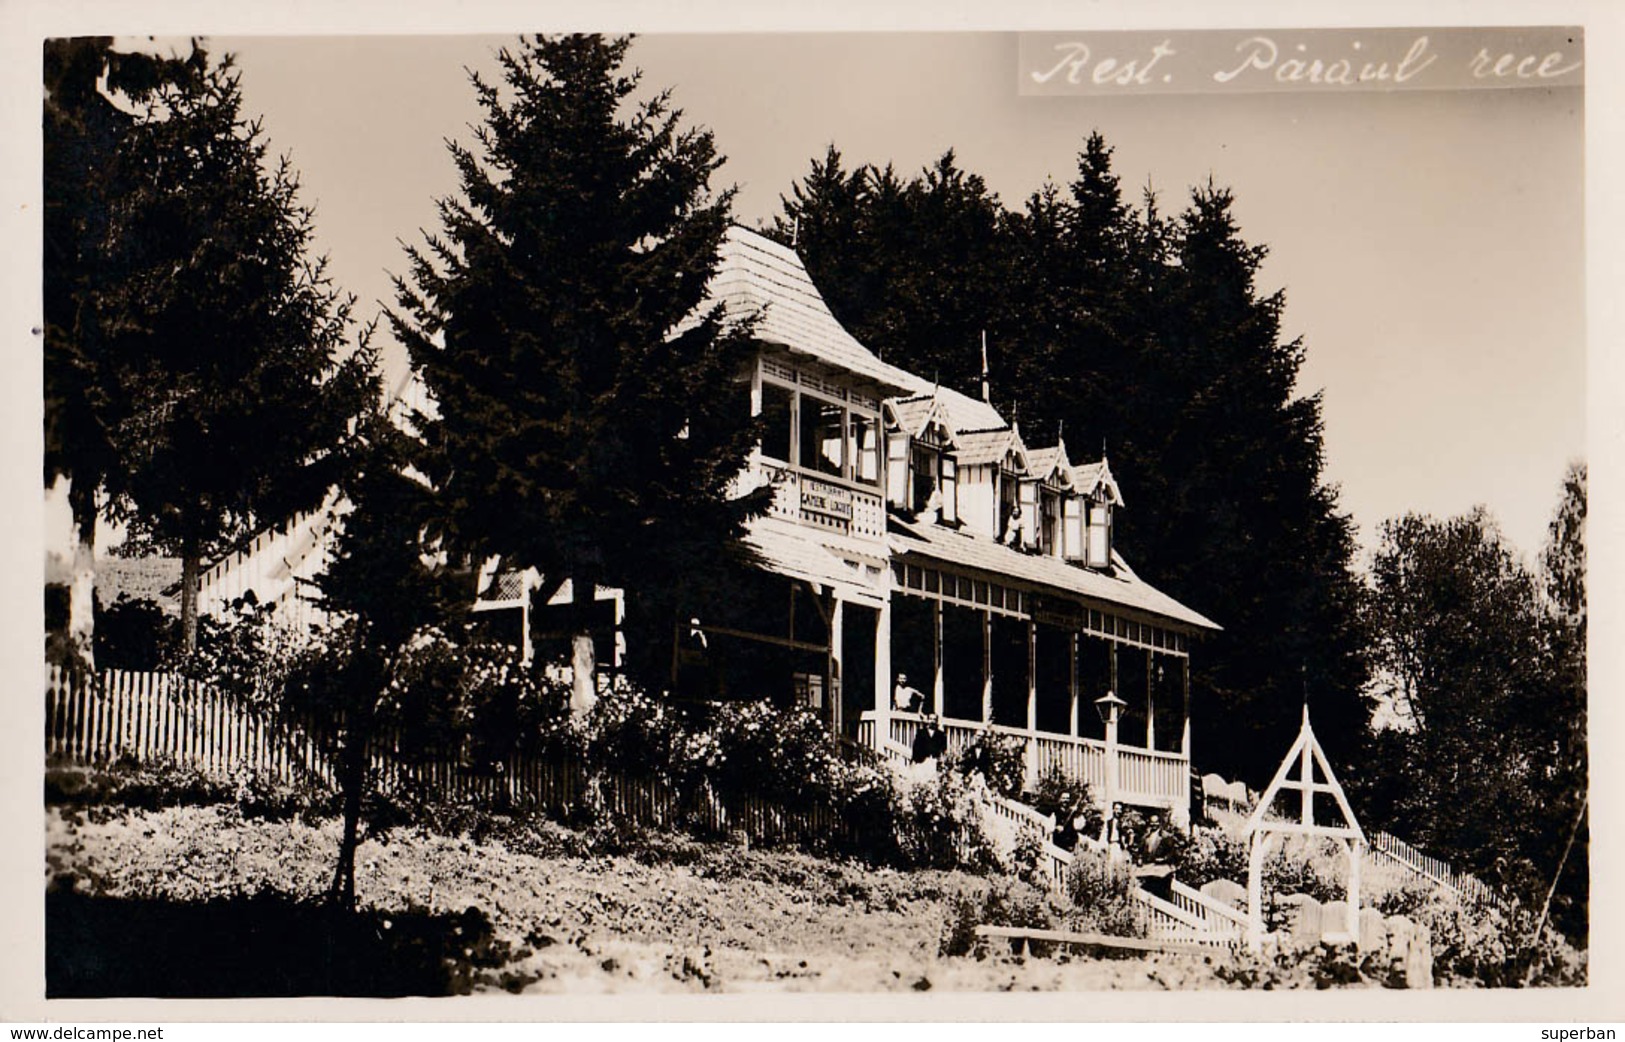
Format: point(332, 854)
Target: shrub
point(1214, 855)
point(1005, 903)
point(1058, 794)
point(1005, 757)
point(1491, 947)
point(936, 824)
point(1099, 890)
point(135, 635)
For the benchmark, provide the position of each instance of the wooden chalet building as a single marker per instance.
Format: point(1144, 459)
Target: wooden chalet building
point(914, 532)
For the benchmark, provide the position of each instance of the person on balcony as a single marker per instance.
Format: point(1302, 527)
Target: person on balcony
point(930, 741)
point(932, 513)
point(905, 698)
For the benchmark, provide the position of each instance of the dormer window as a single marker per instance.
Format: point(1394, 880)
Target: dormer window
point(1072, 528)
point(933, 480)
point(1100, 534)
point(1049, 521)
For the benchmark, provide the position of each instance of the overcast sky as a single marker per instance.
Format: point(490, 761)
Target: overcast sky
point(1430, 243)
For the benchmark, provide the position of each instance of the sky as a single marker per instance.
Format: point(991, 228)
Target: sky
point(1430, 244)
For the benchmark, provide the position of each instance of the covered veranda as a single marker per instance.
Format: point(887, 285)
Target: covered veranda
point(1026, 646)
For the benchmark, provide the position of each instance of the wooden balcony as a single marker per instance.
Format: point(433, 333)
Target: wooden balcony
point(1145, 777)
point(817, 502)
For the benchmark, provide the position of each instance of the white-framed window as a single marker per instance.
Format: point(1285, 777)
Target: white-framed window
point(1049, 522)
point(1100, 534)
point(817, 434)
point(1072, 528)
point(778, 418)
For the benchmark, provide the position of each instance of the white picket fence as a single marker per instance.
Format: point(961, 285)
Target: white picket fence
point(115, 715)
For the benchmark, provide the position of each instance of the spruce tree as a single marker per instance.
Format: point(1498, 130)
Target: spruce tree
point(82, 130)
point(589, 415)
point(1228, 458)
point(222, 344)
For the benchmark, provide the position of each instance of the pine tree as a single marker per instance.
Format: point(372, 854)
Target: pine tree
point(222, 343)
point(1242, 524)
point(82, 131)
point(589, 415)
point(381, 583)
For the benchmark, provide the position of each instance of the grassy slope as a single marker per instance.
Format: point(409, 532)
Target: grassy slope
point(564, 918)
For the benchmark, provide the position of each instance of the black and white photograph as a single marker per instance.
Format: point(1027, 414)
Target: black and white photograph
point(917, 513)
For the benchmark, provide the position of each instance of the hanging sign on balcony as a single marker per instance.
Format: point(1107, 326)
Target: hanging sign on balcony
point(818, 497)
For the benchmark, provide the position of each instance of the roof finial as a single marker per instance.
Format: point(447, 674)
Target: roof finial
point(795, 232)
point(987, 391)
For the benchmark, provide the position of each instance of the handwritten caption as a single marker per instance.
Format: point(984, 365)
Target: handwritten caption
point(1205, 61)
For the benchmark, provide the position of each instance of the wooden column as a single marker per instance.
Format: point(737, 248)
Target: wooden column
point(1032, 702)
point(832, 689)
point(884, 680)
point(1150, 707)
point(1072, 685)
point(936, 657)
point(1185, 697)
point(987, 666)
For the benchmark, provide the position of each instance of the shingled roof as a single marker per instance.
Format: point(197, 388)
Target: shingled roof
point(967, 550)
point(757, 277)
point(1087, 478)
point(1041, 463)
point(977, 447)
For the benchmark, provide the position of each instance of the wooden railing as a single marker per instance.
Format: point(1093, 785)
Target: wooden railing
point(1145, 777)
point(1432, 869)
point(816, 501)
point(1215, 916)
point(1169, 922)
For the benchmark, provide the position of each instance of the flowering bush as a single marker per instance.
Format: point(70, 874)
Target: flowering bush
point(1005, 757)
point(1059, 794)
point(937, 824)
point(1214, 855)
point(1099, 889)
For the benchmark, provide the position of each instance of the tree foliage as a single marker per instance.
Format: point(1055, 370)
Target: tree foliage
point(1147, 338)
point(83, 128)
point(220, 373)
point(1486, 676)
point(582, 426)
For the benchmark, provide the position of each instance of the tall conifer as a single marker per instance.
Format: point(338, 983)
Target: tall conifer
point(589, 417)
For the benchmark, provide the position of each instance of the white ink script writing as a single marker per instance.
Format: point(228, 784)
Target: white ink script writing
point(1261, 54)
point(1075, 59)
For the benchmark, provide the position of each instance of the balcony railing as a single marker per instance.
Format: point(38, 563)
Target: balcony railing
point(816, 502)
point(1145, 777)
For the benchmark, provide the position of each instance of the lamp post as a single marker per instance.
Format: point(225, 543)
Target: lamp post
point(1110, 707)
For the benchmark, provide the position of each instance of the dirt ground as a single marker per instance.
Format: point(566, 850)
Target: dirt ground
point(695, 917)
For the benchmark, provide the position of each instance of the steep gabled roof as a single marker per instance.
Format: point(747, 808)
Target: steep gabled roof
point(1092, 478)
point(979, 447)
point(1050, 463)
point(757, 277)
point(914, 415)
